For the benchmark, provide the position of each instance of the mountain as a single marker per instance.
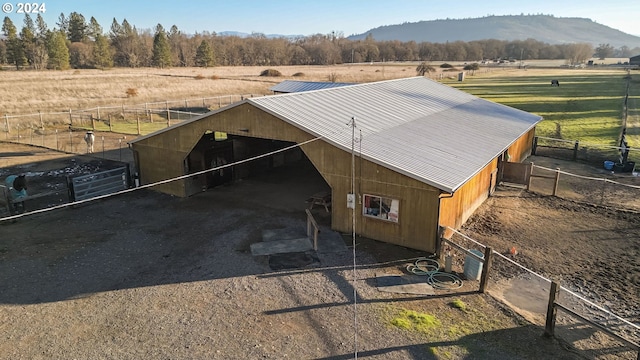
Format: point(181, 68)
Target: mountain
point(268, 36)
point(545, 28)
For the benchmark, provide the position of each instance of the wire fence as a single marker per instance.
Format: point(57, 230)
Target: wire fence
point(136, 119)
point(528, 292)
point(610, 189)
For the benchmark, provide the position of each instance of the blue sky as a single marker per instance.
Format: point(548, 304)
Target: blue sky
point(323, 16)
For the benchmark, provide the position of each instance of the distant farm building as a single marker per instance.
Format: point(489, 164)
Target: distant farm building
point(293, 86)
point(427, 155)
point(634, 60)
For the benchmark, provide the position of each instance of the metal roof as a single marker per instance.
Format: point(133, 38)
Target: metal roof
point(292, 86)
point(415, 126)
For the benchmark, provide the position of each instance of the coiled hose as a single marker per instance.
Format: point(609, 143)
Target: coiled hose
point(431, 269)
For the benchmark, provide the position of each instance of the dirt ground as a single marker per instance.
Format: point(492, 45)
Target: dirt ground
point(146, 275)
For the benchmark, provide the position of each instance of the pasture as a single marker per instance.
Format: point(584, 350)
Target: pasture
point(587, 106)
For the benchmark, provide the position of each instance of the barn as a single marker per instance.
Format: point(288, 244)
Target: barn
point(421, 154)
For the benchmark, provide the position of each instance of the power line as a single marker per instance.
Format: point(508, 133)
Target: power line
point(79, 202)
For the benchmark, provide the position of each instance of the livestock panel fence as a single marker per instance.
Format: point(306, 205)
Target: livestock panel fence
point(581, 322)
point(138, 119)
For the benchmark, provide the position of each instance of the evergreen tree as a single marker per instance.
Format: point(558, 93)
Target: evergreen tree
point(94, 28)
point(28, 38)
point(58, 51)
point(204, 54)
point(42, 35)
point(161, 49)
point(102, 52)
point(77, 31)
point(15, 51)
point(63, 24)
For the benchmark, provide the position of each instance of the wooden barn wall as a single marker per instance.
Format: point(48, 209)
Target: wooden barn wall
point(455, 210)
point(157, 164)
point(417, 226)
point(521, 148)
point(162, 156)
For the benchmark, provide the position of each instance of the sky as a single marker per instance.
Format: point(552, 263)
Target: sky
point(300, 17)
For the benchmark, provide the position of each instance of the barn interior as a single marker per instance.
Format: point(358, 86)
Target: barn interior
point(242, 158)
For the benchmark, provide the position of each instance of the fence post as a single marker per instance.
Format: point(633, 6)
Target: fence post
point(110, 128)
point(103, 147)
point(57, 143)
point(168, 114)
point(138, 122)
point(555, 185)
point(530, 176)
point(70, 119)
point(70, 140)
point(550, 325)
point(484, 277)
point(6, 123)
point(93, 124)
point(98, 112)
point(575, 151)
point(41, 122)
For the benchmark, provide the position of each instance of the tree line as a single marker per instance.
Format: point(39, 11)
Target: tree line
point(77, 43)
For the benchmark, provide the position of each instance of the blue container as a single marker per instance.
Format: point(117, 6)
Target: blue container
point(608, 165)
point(472, 266)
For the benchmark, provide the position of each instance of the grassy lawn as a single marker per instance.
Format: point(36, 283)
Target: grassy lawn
point(587, 106)
point(633, 106)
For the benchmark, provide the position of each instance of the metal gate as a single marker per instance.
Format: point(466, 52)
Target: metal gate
point(515, 173)
point(102, 183)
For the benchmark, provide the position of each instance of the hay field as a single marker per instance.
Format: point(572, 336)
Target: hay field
point(27, 92)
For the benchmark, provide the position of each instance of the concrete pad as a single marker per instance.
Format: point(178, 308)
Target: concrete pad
point(404, 284)
point(287, 233)
point(281, 246)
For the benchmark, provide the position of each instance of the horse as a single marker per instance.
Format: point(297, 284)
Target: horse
point(89, 138)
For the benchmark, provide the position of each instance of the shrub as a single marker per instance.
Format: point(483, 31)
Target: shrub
point(424, 68)
point(332, 77)
point(199, 77)
point(131, 92)
point(214, 77)
point(446, 66)
point(271, 72)
point(298, 74)
point(473, 66)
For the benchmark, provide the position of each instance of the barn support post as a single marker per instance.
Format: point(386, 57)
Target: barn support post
point(484, 277)
point(530, 176)
point(557, 180)
point(534, 146)
point(575, 151)
point(550, 324)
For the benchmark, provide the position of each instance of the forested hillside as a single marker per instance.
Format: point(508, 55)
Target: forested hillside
point(75, 42)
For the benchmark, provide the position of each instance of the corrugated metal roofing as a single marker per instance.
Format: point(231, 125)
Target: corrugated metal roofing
point(421, 128)
point(292, 86)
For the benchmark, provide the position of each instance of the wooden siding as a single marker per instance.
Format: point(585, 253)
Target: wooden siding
point(521, 148)
point(456, 209)
point(417, 226)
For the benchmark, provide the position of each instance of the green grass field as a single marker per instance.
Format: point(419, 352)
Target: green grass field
point(587, 106)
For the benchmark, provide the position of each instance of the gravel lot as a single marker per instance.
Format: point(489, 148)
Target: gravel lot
point(146, 275)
